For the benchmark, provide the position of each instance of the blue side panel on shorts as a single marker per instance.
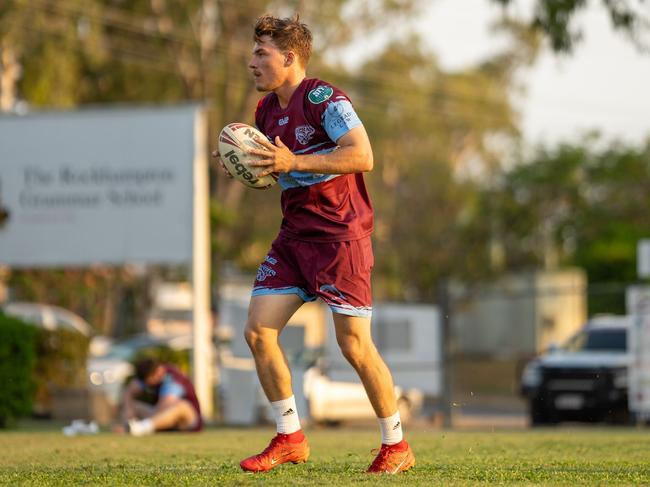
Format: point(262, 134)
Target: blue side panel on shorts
point(264, 291)
point(364, 312)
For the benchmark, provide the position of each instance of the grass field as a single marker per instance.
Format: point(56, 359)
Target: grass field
point(549, 457)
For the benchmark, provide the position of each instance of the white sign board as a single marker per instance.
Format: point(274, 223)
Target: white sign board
point(97, 186)
point(111, 186)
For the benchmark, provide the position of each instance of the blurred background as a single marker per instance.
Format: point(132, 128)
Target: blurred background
point(512, 161)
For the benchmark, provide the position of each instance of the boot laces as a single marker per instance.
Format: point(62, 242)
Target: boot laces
point(274, 442)
point(381, 458)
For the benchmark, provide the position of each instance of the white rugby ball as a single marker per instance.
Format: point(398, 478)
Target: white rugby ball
point(233, 141)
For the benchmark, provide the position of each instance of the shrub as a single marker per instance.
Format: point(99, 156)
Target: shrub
point(165, 354)
point(61, 363)
point(17, 362)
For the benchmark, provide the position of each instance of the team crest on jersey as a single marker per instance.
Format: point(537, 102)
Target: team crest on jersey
point(320, 94)
point(304, 133)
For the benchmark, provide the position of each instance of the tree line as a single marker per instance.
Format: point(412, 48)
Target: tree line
point(446, 203)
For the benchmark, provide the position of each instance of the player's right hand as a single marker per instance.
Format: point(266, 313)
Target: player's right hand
point(217, 156)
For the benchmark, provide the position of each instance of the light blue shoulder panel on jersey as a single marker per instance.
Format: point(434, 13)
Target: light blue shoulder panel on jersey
point(339, 118)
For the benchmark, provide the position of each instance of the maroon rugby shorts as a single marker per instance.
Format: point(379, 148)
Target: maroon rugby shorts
point(336, 272)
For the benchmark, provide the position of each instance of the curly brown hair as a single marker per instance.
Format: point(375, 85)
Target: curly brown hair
point(288, 34)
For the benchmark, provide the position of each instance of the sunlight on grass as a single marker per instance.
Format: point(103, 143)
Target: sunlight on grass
point(339, 457)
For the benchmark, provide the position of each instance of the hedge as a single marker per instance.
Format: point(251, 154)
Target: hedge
point(34, 360)
point(17, 363)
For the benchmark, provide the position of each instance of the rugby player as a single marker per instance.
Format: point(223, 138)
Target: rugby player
point(320, 150)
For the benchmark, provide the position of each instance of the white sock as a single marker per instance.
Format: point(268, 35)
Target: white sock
point(141, 428)
point(391, 429)
point(286, 415)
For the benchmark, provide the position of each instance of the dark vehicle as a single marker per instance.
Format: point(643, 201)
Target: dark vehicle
point(585, 380)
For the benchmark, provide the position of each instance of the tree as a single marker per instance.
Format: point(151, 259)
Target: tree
point(65, 53)
point(429, 130)
point(575, 205)
point(555, 19)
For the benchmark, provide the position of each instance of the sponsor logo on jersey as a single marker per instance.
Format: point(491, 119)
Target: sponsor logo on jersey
point(304, 133)
point(283, 121)
point(320, 94)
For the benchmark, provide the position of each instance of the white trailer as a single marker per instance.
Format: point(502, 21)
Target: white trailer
point(638, 307)
point(408, 337)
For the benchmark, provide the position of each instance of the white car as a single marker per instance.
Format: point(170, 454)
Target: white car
point(53, 317)
point(47, 316)
point(332, 402)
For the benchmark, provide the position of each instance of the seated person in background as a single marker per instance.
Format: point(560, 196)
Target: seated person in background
point(174, 406)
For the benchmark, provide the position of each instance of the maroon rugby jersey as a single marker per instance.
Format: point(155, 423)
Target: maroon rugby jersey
point(317, 207)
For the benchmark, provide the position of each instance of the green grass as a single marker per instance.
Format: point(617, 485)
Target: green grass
point(549, 457)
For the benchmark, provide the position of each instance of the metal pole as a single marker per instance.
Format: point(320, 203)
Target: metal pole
point(444, 302)
point(202, 362)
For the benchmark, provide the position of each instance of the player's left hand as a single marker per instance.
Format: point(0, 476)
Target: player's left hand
point(274, 158)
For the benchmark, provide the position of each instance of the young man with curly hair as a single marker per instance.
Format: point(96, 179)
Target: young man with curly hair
point(320, 150)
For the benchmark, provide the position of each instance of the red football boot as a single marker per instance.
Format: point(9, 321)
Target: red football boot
point(393, 459)
point(282, 449)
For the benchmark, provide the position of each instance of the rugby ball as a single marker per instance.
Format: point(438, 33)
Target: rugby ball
point(234, 139)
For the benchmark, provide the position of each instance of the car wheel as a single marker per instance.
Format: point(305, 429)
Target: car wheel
point(331, 423)
point(619, 415)
point(539, 413)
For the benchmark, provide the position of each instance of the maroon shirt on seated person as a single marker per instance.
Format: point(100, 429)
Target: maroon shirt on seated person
point(177, 384)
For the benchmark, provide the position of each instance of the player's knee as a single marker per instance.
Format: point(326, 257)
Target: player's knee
point(184, 415)
point(251, 336)
point(352, 349)
point(257, 340)
point(184, 406)
point(186, 409)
